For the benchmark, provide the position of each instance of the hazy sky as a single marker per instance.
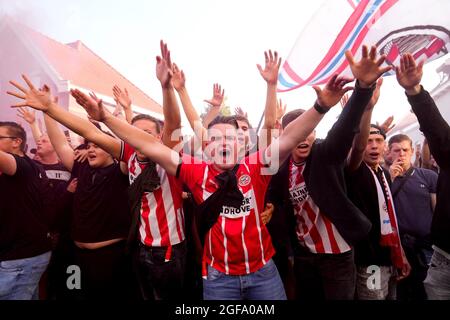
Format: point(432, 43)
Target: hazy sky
point(213, 41)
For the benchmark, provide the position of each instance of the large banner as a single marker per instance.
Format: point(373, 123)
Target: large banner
point(395, 26)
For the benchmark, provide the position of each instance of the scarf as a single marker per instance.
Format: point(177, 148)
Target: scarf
point(209, 210)
point(388, 220)
point(147, 181)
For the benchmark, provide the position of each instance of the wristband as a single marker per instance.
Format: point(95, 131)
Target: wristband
point(320, 109)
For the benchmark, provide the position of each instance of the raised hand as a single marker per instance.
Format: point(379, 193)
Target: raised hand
point(281, 109)
point(368, 69)
point(39, 99)
point(164, 66)
point(178, 78)
point(387, 125)
point(218, 95)
point(270, 71)
point(409, 73)
point(90, 103)
point(240, 112)
point(26, 114)
point(122, 97)
point(333, 91)
point(376, 94)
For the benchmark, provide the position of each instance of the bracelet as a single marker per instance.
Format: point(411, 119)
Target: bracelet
point(320, 109)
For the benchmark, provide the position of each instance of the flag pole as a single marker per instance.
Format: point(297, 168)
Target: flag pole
point(260, 122)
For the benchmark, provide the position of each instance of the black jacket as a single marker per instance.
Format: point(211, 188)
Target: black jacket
point(437, 132)
point(324, 174)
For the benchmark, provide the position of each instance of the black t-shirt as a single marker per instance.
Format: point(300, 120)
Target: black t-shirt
point(58, 176)
point(100, 206)
point(23, 229)
point(362, 191)
point(55, 208)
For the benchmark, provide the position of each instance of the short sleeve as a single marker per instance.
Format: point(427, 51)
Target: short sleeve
point(23, 167)
point(432, 178)
point(259, 167)
point(190, 170)
point(126, 151)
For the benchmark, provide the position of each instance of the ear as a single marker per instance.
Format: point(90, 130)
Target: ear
point(16, 143)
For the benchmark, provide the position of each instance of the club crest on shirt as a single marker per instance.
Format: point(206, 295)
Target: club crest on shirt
point(244, 180)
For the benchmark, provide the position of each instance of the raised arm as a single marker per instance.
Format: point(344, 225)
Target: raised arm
point(171, 110)
point(299, 129)
point(270, 75)
point(30, 117)
point(41, 99)
point(179, 82)
point(123, 100)
point(138, 139)
point(366, 71)
point(432, 124)
point(426, 155)
point(215, 104)
point(59, 142)
point(356, 154)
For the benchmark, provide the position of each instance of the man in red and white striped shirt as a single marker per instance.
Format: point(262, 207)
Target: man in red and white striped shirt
point(238, 243)
point(314, 230)
point(238, 250)
point(161, 218)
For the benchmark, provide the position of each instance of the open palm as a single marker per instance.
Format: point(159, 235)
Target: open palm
point(39, 99)
point(368, 69)
point(164, 66)
point(90, 103)
point(218, 95)
point(122, 97)
point(272, 67)
point(178, 78)
point(333, 91)
point(409, 73)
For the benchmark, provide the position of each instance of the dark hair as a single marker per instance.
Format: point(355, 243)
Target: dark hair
point(379, 130)
point(291, 116)
point(157, 122)
point(224, 119)
point(399, 138)
point(239, 117)
point(15, 130)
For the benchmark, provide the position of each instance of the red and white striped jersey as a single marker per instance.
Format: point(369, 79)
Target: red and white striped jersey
point(162, 216)
point(314, 230)
point(239, 242)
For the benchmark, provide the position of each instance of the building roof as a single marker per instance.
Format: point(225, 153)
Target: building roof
point(81, 67)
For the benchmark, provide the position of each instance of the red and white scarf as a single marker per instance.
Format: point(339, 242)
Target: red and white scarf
point(388, 220)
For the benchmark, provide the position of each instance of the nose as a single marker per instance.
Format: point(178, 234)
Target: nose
point(372, 145)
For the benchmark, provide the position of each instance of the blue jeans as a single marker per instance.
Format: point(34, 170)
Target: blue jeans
point(264, 284)
point(19, 279)
point(437, 282)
